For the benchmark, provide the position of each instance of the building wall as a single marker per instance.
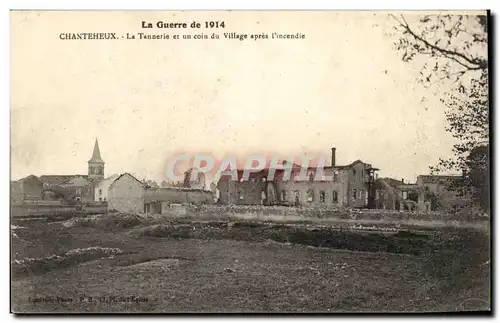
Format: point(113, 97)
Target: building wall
point(16, 192)
point(241, 193)
point(77, 181)
point(250, 192)
point(32, 188)
point(290, 192)
point(225, 187)
point(386, 198)
point(312, 192)
point(397, 196)
point(446, 198)
point(26, 189)
point(83, 193)
point(247, 192)
point(86, 193)
point(78, 187)
point(358, 188)
point(126, 194)
point(174, 195)
point(341, 187)
point(306, 193)
point(102, 188)
point(101, 192)
point(198, 183)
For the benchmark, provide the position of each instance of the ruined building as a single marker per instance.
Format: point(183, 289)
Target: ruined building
point(349, 185)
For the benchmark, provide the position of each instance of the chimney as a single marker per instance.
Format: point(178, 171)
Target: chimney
point(333, 156)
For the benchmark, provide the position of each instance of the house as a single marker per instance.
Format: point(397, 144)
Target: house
point(28, 188)
point(242, 192)
point(63, 194)
point(439, 192)
point(158, 200)
point(392, 194)
point(361, 180)
point(126, 194)
point(72, 187)
point(351, 185)
point(102, 187)
point(77, 186)
point(54, 180)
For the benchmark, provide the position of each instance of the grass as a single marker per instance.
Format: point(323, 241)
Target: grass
point(32, 266)
point(246, 266)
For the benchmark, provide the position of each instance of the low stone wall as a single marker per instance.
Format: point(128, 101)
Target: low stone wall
point(95, 209)
point(49, 210)
point(340, 213)
point(178, 195)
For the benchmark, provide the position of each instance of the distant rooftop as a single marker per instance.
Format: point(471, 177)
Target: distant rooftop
point(437, 178)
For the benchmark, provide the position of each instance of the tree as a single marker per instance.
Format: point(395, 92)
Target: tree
point(454, 45)
point(434, 200)
point(478, 177)
point(453, 49)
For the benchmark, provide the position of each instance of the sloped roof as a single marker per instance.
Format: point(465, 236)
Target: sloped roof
point(77, 181)
point(127, 174)
point(29, 178)
point(66, 193)
point(357, 161)
point(58, 179)
point(96, 155)
point(108, 180)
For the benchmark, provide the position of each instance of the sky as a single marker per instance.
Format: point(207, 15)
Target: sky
point(343, 86)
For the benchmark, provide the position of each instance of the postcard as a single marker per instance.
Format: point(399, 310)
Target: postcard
point(250, 162)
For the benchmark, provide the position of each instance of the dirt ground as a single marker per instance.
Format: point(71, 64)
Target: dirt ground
point(243, 267)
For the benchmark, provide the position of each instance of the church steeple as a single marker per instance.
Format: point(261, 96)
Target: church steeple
point(96, 164)
point(96, 155)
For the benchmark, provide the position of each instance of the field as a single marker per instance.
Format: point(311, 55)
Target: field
point(127, 263)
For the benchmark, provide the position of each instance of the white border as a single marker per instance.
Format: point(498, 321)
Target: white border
point(214, 5)
point(256, 4)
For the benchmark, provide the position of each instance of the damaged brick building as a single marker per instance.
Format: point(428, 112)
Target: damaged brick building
point(349, 185)
point(428, 193)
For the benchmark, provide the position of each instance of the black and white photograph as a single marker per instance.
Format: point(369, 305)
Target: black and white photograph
point(250, 161)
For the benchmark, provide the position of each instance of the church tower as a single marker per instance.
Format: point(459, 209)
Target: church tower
point(96, 164)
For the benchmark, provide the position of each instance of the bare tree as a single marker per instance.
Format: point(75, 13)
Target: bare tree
point(455, 45)
point(454, 48)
